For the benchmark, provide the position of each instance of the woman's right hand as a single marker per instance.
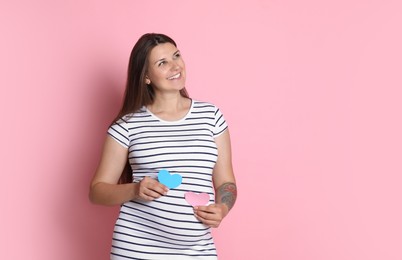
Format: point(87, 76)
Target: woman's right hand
point(149, 189)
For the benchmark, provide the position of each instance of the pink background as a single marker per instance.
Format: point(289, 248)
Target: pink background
point(311, 90)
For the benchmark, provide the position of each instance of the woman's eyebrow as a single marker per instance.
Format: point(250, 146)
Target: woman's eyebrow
point(178, 51)
point(159, 60)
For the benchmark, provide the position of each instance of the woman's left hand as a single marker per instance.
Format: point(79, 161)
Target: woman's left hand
point(211, 215)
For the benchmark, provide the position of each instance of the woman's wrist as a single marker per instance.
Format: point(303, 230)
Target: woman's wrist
point(133, 190)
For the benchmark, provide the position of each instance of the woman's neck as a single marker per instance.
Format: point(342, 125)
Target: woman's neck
point(170, 107)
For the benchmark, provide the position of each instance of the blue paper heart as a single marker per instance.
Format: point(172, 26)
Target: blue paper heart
point(169, 180)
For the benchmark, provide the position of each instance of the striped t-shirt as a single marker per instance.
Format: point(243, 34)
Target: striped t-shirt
point(166, 228)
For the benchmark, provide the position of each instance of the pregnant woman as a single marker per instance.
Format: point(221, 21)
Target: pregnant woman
point(166, 160)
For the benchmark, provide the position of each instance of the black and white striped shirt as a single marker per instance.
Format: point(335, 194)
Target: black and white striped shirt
point(166, 227)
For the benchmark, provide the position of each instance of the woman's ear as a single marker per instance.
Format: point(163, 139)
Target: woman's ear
point(147, 80)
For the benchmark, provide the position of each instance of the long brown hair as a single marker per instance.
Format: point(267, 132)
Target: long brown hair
point(137, 93)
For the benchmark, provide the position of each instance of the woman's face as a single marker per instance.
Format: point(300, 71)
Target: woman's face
point(166, 69)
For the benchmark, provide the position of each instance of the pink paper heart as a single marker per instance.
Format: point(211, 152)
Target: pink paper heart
point(196, 199)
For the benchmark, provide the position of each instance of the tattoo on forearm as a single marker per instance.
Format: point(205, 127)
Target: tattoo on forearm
point(227, 193)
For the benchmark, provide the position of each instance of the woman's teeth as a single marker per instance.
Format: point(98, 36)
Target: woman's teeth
point(175, 76)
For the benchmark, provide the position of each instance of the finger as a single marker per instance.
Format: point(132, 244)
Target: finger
point(202, 208)
point(146, 198)
point(208, 209)
point(160, 188)
point(149, 195)
point(208, 222)
point(155, 191)
point(154, 185)
point(152, 193)
point(208, 215)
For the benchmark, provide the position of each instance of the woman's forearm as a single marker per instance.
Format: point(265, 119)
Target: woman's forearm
point(112, 194)
point(227, 194)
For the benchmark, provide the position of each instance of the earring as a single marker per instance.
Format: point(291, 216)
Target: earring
point(148, 81)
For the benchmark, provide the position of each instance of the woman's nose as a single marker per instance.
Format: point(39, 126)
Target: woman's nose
point(175, 65)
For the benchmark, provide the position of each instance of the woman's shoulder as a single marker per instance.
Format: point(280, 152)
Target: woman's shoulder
point(203, 104)
point(134, 116)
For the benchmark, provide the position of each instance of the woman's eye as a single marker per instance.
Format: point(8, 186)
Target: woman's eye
point(161, 63)
point(177, 55)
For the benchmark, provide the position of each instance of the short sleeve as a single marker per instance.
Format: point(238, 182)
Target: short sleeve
point(119, 132)
point(220, 123)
